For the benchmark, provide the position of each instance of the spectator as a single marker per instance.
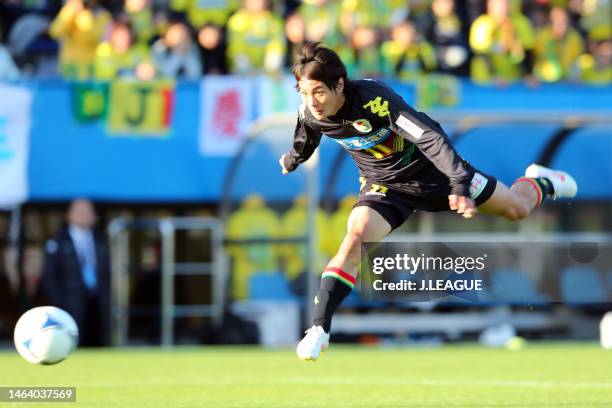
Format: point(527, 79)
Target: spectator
point(367, 59)
point(256, 41)
point(501, 41)
point(8, 69)
point(79, 26)
point(596, 68)
point(366, 13)
point(212, 49)
point(253, 220)
point(76, 274)
point(596, 20)
point(420, 13)
point(295, 31)
point(446, 36)
point(406, 55)
point(119, 56)
point(176, 55)
point(140, 15)
point(557, 48)
point(200, 12)
point(539, 16)
point(321, 21)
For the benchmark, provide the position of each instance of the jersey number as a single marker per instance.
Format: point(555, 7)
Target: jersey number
point(374, 188)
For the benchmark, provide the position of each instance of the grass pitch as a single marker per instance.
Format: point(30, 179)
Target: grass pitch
point(541, 375)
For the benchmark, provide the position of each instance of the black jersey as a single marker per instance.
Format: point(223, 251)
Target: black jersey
point(391, 143)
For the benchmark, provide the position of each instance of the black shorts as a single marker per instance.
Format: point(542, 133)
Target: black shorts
point(396, 206)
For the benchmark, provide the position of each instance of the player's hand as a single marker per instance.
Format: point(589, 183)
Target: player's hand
point(463, 205)
point(281, 161)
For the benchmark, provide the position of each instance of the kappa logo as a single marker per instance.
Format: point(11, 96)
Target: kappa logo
point(378, 107)
point(362, 125)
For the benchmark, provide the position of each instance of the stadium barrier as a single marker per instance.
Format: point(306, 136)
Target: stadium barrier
point(119, 231)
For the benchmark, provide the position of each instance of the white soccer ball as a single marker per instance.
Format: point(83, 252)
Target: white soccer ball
point(46, 335)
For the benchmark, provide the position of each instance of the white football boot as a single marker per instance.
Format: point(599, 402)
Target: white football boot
point(564, 185)
point(315, 341)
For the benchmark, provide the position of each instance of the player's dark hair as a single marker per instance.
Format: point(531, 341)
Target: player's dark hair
point(320, 64)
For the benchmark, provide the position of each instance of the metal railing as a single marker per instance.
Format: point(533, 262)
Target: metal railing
point(119, 229)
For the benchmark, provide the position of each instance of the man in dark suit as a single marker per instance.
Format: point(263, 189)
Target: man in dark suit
point(76, 274)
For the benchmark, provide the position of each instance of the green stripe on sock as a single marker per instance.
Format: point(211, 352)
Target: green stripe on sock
point(334, 275)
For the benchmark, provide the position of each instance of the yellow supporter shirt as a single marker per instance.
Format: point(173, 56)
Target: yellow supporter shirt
point(592, 73)
point(109, 64)
point(556, 59)
point(253, 220)
point(414, 60)
point(200, 12)
point(370, 13)
point(144, 26)
point(322, 22)
point(295, 224)
point(256, 42)
point(499, 51)
point(80, 32)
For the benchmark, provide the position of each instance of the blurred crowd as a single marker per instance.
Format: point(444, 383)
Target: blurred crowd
point(487, 40)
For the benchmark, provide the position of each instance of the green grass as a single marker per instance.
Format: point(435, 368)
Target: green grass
point(541, 375)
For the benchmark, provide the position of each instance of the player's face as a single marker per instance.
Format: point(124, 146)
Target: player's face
point(320, 100)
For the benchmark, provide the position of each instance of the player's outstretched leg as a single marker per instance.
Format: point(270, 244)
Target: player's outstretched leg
point(528, 192)
point(339, 276)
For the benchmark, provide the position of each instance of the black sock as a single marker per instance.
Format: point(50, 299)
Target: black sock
point(335, 286)
point(546, 186)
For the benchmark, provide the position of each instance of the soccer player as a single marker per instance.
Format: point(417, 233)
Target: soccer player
point(406, 162)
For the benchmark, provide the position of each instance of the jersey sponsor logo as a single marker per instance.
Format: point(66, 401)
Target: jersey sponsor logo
point(362, 125)
point(409, 126)
point(365, 142)
point(378, 107)
point(477, 185)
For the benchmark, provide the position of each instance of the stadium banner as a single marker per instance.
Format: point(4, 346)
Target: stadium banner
point(141, 108)
point(227, 112)
point(90, 101)
point(15, 120)
point(277, 95)
point(520, 273)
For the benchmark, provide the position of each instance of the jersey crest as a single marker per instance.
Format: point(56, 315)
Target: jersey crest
point(362, 125)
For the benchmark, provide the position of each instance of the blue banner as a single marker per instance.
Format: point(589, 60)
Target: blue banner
point(71, 157)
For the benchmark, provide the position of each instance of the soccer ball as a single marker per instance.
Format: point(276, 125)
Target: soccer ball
point(45, 335)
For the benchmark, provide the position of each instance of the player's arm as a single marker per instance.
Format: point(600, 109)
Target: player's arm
point(305, 142)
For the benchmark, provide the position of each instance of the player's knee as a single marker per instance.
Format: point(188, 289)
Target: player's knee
point(351, 247)
point(517, 211)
